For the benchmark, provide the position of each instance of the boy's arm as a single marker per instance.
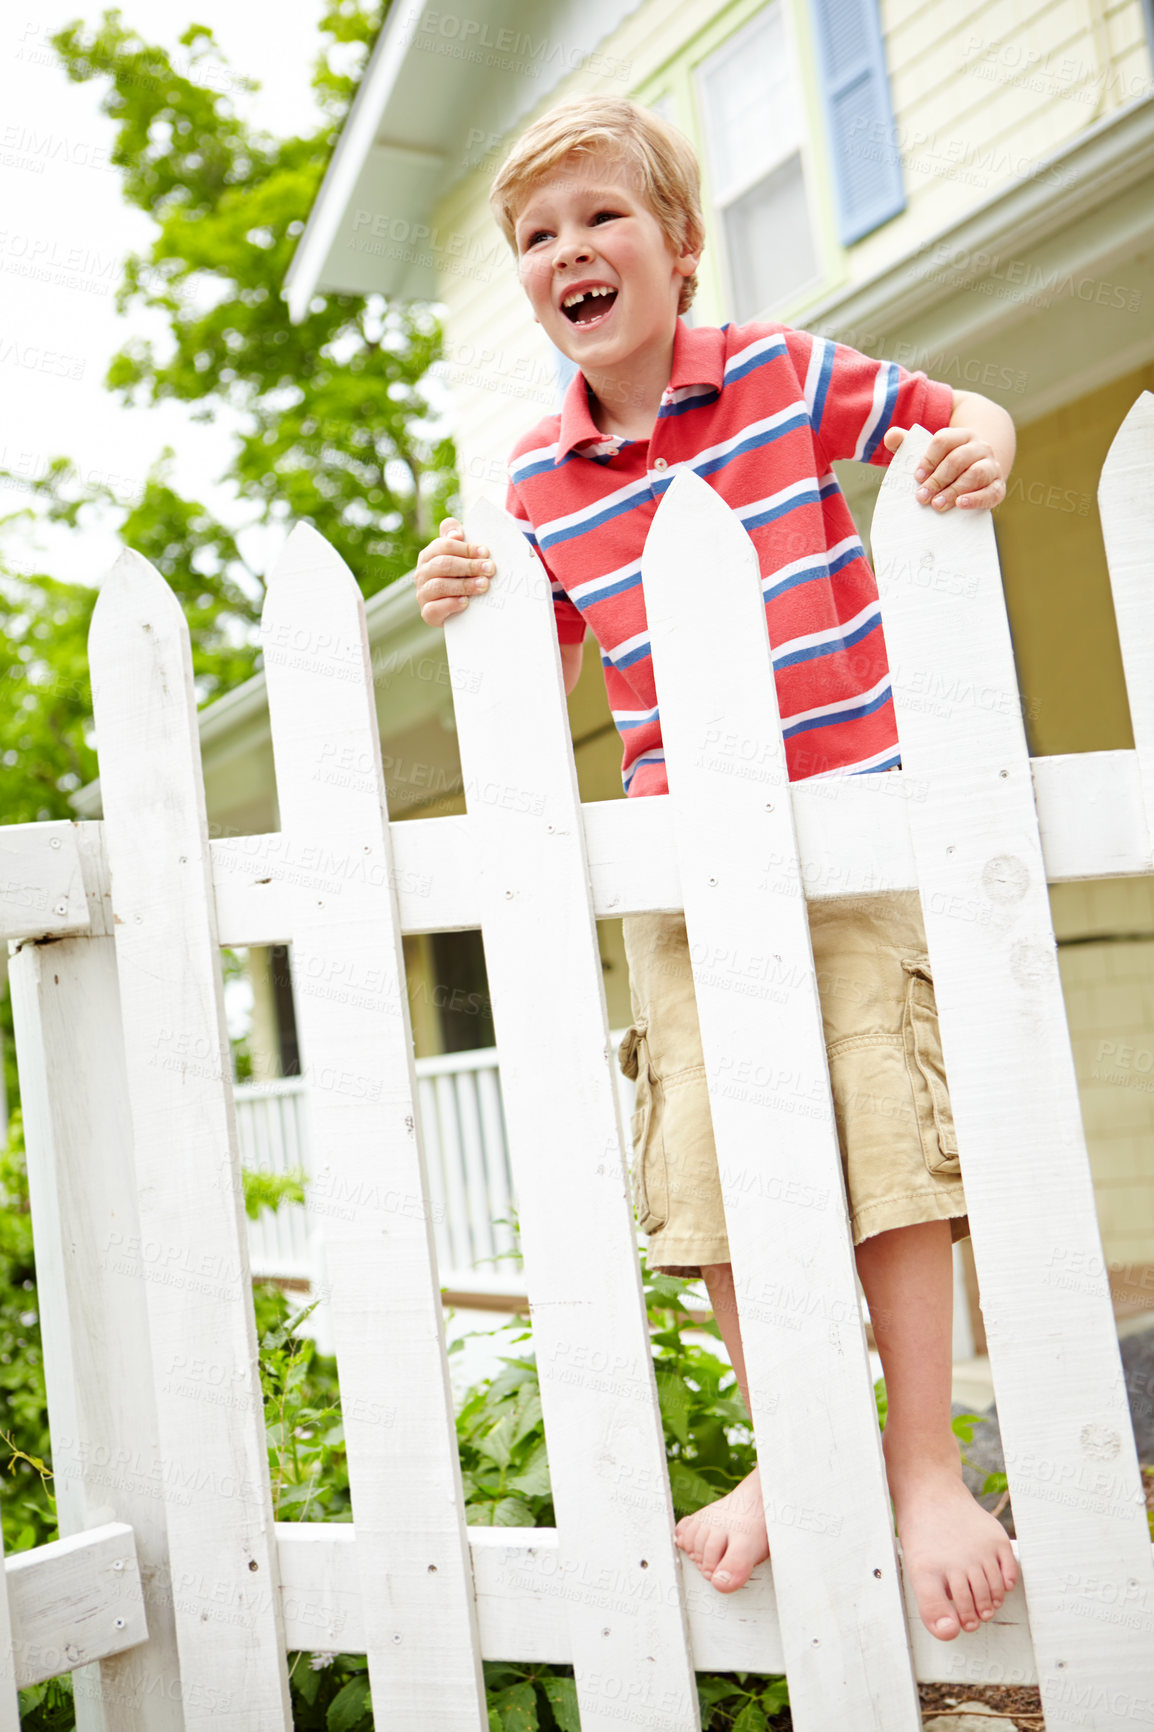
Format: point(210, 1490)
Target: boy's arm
point(571, 657)
point(966, 463)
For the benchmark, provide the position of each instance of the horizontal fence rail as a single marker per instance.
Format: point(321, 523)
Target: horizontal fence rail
point(136, 1147)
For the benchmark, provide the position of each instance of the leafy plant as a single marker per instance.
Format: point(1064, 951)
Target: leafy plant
point(504, 1467)
point(505, 1475)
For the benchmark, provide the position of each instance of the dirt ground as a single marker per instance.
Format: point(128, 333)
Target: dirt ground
point(1021, 1703)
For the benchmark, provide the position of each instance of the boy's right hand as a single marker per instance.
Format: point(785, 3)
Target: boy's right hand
point(449, 571)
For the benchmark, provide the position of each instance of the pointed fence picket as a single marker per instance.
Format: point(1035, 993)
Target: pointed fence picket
point(191, 1261)
point(369, 1189)
point(1062, 1406)
point(823, 1487)
point(598, 1391)
point(135, 1180)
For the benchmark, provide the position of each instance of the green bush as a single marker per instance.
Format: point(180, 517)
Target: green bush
point(504, 1468)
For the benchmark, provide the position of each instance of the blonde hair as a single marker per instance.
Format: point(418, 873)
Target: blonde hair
point(665, 161)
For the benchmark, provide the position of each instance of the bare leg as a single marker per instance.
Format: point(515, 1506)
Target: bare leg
point(727, 1539)
point(957, 1557)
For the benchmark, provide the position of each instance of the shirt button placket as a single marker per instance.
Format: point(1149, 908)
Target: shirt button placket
point(659, 467)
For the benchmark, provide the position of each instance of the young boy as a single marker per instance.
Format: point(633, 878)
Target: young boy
point(600, 202)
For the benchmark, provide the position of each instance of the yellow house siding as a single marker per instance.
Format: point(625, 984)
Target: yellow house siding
point(1055, 575)
point(980, 100)
point(1109, 992)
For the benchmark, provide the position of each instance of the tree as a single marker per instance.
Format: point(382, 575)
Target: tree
point(336, 429)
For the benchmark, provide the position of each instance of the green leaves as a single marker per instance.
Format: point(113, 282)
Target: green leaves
point(561, 1695)
point(752, 1718)
point(328, 421)
point(516, 1709)
point(504, 1462)
point(269, 1190)
point(351, 1709)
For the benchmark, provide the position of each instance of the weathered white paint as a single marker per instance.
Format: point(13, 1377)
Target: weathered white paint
point(191, 1264)
point(79, 1600)
point(521, 1600)
point(368, 1189)
point(851, 838)
point(9, 1702)
point(41, 883)
point(107, 1460)
point(598, 1393)
point(1079, 1508)
point(834, 1567)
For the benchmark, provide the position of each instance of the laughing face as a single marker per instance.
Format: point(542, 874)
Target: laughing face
point(601, 277)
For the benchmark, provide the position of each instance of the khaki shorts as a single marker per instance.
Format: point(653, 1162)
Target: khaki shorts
point(896, 1130)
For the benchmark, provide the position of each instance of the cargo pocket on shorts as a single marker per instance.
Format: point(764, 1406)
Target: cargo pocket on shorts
point(650, 1186)
point(927, 1071)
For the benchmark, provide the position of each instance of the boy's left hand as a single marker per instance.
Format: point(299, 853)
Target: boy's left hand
point(957, 467)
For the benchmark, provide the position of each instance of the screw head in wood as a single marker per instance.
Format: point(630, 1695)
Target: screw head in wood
point(60, 908)
point(54, 842)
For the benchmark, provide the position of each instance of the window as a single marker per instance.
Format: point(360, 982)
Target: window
point(754, 137)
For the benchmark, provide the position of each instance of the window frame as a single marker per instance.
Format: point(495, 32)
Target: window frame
point(675, 80)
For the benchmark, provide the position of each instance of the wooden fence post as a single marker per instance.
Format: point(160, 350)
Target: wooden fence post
point(367, 1184)
point(97, 1357)
point(826, 1506)
point(1077, 1496)
point(594, 1357)
point(192, 1256)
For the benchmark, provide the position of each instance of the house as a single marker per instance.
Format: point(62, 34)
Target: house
point(967, 192)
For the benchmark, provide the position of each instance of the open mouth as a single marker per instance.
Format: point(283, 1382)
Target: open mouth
point(589, 306)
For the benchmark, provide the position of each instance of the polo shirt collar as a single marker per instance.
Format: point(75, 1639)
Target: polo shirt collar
point(698, 359)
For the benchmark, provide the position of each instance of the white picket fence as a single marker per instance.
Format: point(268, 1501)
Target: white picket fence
point(158, 1440)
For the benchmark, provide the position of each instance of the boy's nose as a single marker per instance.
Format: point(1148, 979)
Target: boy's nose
point(571, 252)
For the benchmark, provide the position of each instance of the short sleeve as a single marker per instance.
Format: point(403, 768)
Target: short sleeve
point(853, 400)
point(570, 622)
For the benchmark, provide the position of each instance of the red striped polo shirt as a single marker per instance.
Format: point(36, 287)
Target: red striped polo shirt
point(759, 411)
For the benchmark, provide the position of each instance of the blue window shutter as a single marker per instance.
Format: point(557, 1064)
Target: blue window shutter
point(855, 91)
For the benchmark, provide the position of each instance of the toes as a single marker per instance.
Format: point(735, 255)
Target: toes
point(980, 1592)
point(963, 1599)
point(939, 1616)
point(737, 1566)
point(1008, 1564)
point(713, 1551)
point(687, 1537)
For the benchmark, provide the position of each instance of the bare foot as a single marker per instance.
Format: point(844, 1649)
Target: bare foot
point(958, 1558)
point(727, 1539)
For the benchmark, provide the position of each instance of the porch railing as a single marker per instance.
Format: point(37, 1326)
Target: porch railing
point(470, 1179)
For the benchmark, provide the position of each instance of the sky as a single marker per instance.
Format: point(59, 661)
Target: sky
point(63, 218)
